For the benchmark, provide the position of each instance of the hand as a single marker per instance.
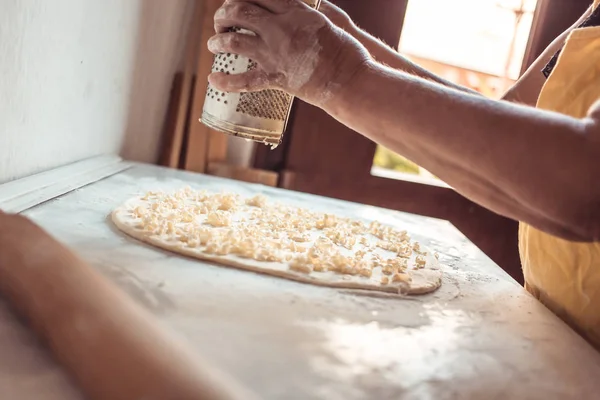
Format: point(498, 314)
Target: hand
point(297, 49)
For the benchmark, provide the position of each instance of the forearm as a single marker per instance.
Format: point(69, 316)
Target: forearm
point(384, 54)
point(496, 153)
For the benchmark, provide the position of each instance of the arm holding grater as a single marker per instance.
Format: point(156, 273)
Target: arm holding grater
point(501, 155)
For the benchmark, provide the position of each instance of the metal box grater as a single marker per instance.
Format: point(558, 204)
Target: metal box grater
point(258, 116)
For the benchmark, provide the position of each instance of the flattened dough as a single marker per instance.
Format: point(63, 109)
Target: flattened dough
point(256, 235)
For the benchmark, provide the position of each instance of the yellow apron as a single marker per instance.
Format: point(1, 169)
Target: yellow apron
point(565, 275)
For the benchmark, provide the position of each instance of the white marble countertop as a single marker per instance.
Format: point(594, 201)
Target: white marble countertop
point(481, 336)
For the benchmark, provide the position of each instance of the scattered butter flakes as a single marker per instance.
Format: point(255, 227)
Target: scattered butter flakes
point(270, 232)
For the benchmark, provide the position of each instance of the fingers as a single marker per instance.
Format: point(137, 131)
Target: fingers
point(241, 14)
point(236, 43)
point(274, 6)
point(251, 81)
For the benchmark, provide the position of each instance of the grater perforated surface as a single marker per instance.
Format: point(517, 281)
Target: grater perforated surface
point(222, 63)
point(270, 104)
point(260, 116)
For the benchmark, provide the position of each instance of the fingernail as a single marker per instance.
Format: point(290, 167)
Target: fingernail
point(220, 13)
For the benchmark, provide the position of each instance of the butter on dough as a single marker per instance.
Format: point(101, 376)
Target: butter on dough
point(256, 235)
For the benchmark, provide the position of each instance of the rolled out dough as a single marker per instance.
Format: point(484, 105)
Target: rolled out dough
point(185, 222)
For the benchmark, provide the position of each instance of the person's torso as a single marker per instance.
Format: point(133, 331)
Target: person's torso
point(565, 275)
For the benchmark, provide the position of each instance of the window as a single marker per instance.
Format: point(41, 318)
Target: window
point(479, 44)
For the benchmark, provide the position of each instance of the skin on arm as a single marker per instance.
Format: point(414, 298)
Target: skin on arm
point(499, 154)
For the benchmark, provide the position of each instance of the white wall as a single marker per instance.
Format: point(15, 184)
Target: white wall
point(85, 77)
